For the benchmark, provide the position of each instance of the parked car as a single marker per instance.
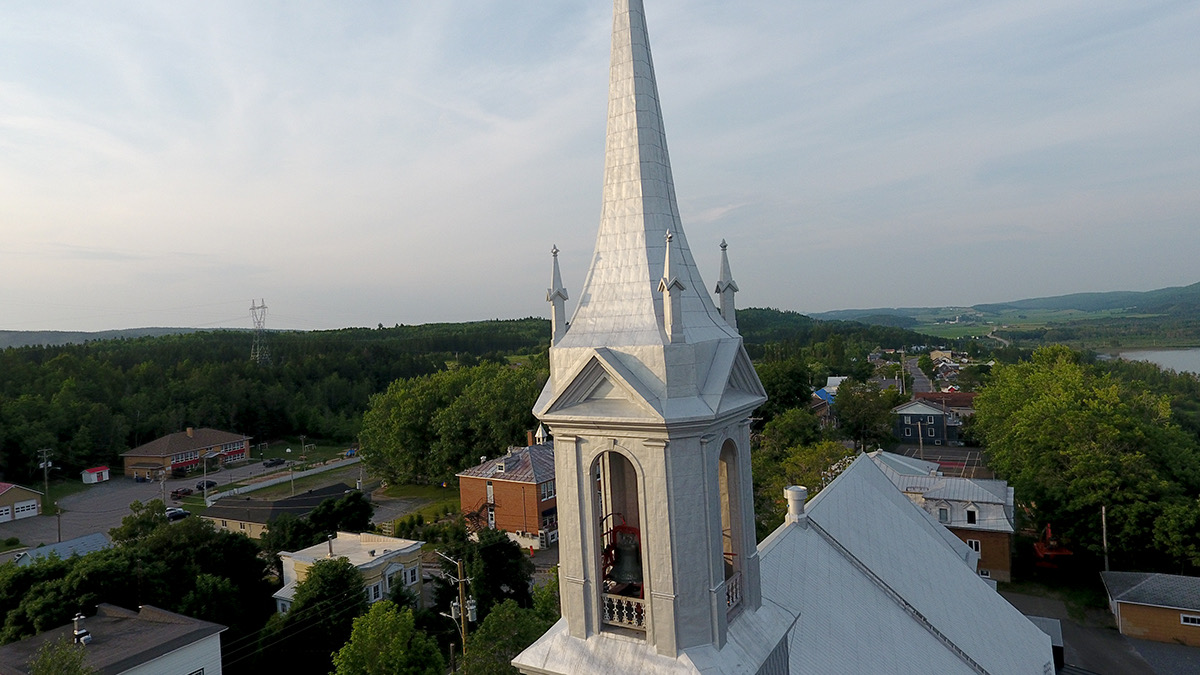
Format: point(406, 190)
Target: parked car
point(274, 461)
point(180, 493)
point(175, 513)
point(206, 484)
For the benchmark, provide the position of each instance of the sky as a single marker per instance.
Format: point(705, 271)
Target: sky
point(365, 163)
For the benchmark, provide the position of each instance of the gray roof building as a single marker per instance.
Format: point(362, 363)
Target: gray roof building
point(150, 640)
point(65, 549)
point(1152, 588)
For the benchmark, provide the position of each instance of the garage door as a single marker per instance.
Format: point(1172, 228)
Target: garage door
point(5, 513)
point(25, 509)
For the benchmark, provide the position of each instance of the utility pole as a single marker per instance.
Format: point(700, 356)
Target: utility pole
point(45, 452)
point(1104, 532)
point(463, 609)
point(58, 512)
point(921, 439)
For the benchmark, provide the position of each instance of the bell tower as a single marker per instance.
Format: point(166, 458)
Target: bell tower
point(649, 402)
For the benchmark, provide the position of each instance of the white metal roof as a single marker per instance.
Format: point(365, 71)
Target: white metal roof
point(880, 589)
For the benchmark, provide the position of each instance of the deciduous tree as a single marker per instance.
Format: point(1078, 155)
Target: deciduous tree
point(385, 641)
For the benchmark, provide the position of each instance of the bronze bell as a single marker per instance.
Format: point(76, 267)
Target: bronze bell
point(627, 560)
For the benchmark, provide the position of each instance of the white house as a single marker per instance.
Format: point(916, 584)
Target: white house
point(385, 563)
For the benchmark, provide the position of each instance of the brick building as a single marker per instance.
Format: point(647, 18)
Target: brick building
point(514, 493)
point(183, 451)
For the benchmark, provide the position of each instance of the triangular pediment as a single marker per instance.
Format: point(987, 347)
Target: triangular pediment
point(604, 388)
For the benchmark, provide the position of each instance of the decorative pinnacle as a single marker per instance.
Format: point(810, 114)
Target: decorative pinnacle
point(724, 245)
point(554, 250)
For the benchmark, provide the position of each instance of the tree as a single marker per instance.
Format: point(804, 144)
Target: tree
point(60, 657)
point(499, 571)
point(786, 384)
point(142, 520)
point(321, 617)
point(428, 428)
point(796, 426)
point(1070, 439)
point(349, 513)
point(385, 641)
point(864, 412)
point(807, 465)
point(506, 632)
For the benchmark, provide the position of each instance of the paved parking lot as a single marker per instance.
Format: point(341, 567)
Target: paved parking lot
point(101, 507)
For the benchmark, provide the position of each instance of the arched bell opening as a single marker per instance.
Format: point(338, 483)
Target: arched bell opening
point(731, 523)
point(619, 530)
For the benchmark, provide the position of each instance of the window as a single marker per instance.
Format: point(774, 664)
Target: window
point(1189, 619)
point(412, 575)
point(930, 420)
point(375, 592)
point(986, 574)
point(908, 432)
point(547, 490)
point(972, 516)
point(241, 526)
point(225, 524)
point(500, 467)
point(491, 496)
point(908, 419)
point(931, 431)
point(974, 544)
point(943, 514)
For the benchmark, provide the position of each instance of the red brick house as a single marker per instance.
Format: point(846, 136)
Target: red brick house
point(183, 450)
point(514, 493)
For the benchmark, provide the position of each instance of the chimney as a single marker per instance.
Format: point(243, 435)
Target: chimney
point(482, 459)
point(329, 539)
point(191, 432)
point(81, 634)
point(796, 495)
point(529, 437)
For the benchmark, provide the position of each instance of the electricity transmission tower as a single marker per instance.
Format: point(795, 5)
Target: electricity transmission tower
point(259, 352)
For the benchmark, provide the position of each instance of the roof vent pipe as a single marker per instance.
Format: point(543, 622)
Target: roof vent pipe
point(796, 495)
point(81, 634)
point(329, 539)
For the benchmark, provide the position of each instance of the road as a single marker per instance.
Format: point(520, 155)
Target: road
point(921, 382)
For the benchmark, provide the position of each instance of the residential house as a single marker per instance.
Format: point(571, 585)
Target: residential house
point(183, 451)
point(515, 493)
point(252, 517)
point(385, 563)
point(978, 511)
point(961, 403)
point(18, 502)
point(1159, 607)
point(119, 641)
point(926, 422)
point(64, 549)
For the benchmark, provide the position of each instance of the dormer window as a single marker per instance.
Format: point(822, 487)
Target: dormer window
point(500, 467)
point(943, 514)
point(972, 516)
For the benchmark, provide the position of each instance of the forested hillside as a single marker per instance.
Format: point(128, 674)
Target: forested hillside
point(90, 402)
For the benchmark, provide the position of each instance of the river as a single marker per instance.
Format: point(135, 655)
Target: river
point(1175, 359)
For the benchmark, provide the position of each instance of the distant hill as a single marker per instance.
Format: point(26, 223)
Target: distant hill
point(55, 338)
point(1176, 301)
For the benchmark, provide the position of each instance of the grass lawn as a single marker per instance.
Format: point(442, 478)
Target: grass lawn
point(60, 489)
point(1078, 598)
point(5, 546)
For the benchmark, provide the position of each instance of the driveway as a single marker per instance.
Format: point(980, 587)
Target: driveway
point(1093, 645)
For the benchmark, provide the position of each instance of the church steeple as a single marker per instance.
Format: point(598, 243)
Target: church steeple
point(556, 295)
point(726, 287)
point(620, 301)
point(649, 402)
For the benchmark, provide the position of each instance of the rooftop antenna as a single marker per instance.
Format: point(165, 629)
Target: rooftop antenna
point(259, 352)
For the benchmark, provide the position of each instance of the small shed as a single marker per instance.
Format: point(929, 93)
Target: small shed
point(97, 474)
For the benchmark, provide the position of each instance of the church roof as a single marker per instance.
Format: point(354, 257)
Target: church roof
point(881, 589)
point(620, 304)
